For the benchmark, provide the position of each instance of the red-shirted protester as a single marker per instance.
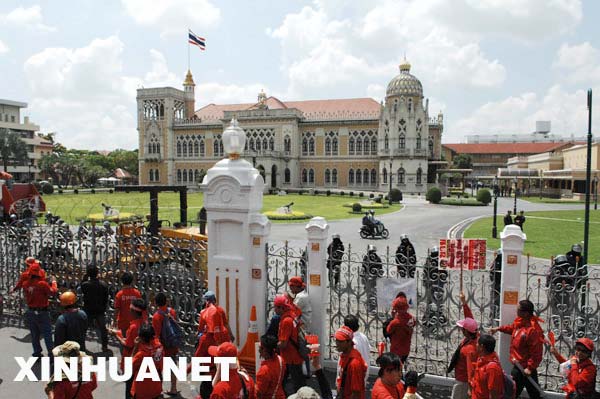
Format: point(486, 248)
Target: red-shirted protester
point(147, 346)
point(66, 389)
point(526, 347)
point(463, 354)
point(123, 300)
point(157, 323)
point(389, 384)
point(239, 386)
point(400, 329)
point(213, 326)
point(487, 381)
point(288, 345)
point(350, 381)
point(269, 378)
point(579, 370)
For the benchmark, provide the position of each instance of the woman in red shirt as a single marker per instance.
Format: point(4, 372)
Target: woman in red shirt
point(269, 379)
point(400, 329)
point(580, 371)
point(388, 385)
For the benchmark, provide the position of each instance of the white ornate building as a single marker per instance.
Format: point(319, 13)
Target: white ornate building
point(353, 143)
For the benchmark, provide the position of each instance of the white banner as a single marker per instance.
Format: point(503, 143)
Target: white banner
point(388, 288)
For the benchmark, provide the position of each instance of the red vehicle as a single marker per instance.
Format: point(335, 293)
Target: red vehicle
point(22, 199)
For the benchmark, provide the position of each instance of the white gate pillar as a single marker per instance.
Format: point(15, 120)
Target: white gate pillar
point(318, 277)
point(260, 228)
point(233, 200)
point(513, 241)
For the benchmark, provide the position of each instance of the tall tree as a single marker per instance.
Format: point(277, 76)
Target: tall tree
point(462, 161)
point(12, 148)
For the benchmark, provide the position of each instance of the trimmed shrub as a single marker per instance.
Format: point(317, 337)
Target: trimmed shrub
point(316, 192)
point(371, 195)
point(351, 193)
point(378, 200)
point(356, 207)
point(484, 196)
point(93, 191)
point(342, 193)
point(60, 191)
point(300, 192)
point(76, 191)
point(111, 191)
point(361, 194)
point(47, 188)
point(396, 195)
point(434, 195)
point(328, 192)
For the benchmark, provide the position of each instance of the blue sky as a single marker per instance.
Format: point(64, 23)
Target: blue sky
point(492, 66)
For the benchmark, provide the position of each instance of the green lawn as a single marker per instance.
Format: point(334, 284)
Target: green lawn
point(74, 207)
point(553, 200)
point(548, 233)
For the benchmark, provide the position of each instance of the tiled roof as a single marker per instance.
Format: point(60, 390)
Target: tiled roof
point(351, 108)
point(506, 148)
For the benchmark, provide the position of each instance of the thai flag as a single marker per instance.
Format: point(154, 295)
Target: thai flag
point(196, 40)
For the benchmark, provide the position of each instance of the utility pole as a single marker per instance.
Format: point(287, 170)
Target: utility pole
point(588, 179)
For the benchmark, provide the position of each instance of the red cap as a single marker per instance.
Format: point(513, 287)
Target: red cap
point(281, 300)
point(400, 303)
point(296, 282)
point(226, 349)
point(344, 334)
point(588, 343)
point(36, 270)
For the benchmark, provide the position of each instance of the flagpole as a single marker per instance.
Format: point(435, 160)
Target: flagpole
point(188, 42)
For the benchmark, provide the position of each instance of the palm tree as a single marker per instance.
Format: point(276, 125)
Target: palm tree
point(12, 148)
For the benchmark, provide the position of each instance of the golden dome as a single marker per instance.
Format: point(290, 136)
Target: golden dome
point(189, 80)
point(405, 84)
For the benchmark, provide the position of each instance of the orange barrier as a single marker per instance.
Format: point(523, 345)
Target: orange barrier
point(247, 355)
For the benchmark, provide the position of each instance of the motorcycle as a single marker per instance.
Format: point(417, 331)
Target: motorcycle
point(379, 231)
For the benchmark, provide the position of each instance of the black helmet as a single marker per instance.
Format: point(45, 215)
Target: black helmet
point(576, 248)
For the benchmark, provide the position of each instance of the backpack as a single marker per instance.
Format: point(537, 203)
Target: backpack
point(171, 333)
point(385, 325)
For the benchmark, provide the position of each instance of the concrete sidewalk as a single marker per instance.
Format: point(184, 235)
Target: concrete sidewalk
point(15, 342)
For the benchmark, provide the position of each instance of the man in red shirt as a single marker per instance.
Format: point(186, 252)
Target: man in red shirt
point(400, 329)
point(157, 323)
point(37, 292)
point(288, 345)
point(488, 378)
point(580, 371)
point(269, 379)
point(213, 327)
point(526, 347)
point(238, 386)
point(148, 346)
point(138, 309)
point(350, 381)
point(123, 300)
point(464, 352)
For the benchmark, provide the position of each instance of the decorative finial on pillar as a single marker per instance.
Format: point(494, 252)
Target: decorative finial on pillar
point(234, 140)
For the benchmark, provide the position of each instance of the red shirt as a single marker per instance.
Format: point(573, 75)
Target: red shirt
point(66, 389)
point(147, 389)
point(270, 376)
point(213, 320)
point(469, 346)
point(231, 389)
point(37, 292)
point(581, 378)
point(354, 380)
point(400, 330)
point(288, 331)
point(25, 276)
point(384, 391)
point(131, 335)
point(248, 383)
point(527, 344)
point(123, 300)
point(157, 322)
point(488, 377)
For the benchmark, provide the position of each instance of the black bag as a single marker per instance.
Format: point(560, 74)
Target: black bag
point(385, 325)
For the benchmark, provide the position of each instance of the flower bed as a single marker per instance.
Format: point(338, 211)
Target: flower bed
point(294, 215)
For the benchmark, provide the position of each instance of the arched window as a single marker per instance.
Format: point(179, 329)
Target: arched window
point(384, 175)
point(401, 174)
point(265, 144)
point(431, 148)
point(185, 149)
point(252, 148)
point(351, 176)
point(402, 141)
point(327, 176)
point(334, 176)
point(374, 145)
point(196, 175)
point(258, 146)
point(351, 146)
point(151, 174)
point(304, 176)
point(287, 144)
point(358, 147)
point(196, 148)
point(287, 175)
point(386, 142)
point(179, 175)
point(358, 176)
point(419, 175)
point(418, 141)
point(202, 148)
point(185, 176)
point(334, 146)
point(191, 176)
point(305, 146)
point(156, 176)
point(271, 144)
point(178, 149)
point(410, 105)
point(311, 146)
point(366, 146)
point(311, 176)
point(366, 176)
point(373, 177)
point(327, 146)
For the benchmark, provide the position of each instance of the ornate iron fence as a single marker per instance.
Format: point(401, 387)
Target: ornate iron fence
point(174, 266)
point(282, 262)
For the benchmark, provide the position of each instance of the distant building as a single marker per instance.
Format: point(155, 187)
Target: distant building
point(10, 117)
point(354, 143)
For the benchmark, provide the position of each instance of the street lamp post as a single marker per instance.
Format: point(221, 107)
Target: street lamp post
point(390, 176)
point(515, 190)
point(494, 226)
point(595, 192)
